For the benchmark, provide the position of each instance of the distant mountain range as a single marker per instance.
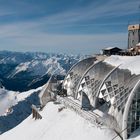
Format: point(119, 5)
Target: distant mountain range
point(24, 71)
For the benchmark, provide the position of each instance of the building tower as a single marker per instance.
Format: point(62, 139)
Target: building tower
point(133, 35)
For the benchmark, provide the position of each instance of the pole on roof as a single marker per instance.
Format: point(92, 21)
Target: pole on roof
point(139, 13)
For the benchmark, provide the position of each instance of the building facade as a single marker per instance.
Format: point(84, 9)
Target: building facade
point(133, 35)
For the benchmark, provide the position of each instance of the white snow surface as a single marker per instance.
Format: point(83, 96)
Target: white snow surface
point(64, 125)
point(131, 63)
point(22, 67)
point(11, 98)
point(7, 99)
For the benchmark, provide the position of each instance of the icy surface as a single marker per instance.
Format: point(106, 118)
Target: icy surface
point(131, 63)
point(64, 125)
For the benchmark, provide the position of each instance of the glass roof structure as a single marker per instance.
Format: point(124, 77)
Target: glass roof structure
point(114, 91)
point(75, 73)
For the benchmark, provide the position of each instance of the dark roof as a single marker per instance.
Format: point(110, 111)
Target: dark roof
point(111, 48)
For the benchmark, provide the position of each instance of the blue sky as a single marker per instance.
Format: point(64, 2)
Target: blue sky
point(65, 26)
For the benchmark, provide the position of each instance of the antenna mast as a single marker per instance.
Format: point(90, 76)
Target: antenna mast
point(139, 13)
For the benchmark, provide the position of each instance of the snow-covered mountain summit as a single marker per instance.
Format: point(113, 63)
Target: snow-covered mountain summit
point(31, 70)
point(40, 67)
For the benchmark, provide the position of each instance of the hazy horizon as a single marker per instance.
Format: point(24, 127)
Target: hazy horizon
point(65, 26)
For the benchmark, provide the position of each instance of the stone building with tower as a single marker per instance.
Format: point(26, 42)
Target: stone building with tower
point(133, 35)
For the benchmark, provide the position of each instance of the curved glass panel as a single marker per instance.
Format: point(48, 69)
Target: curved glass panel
point(74, 75)
point(92, 80)
point(133, 120)
point(115, 92)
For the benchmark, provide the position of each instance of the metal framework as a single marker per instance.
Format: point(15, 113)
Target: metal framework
point(114, 91)
point(92, 79)
point(131, 117)
point(75, 73)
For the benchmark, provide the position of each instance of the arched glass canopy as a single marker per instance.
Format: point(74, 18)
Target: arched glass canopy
point(75, 73)
point(110, 89)
point(92, 80)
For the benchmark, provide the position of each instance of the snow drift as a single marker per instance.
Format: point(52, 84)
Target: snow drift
point(64, 125)
point(131, 63)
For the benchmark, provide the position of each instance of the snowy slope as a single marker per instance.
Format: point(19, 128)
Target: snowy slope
point(16, 107)
point(37, 63)
point(40, 67)
point(7, 99)
point(32, 70)
point(64, 125)
point(131, 63)
point(11, 98)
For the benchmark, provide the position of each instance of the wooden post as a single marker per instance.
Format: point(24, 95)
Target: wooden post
point(35, 113)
